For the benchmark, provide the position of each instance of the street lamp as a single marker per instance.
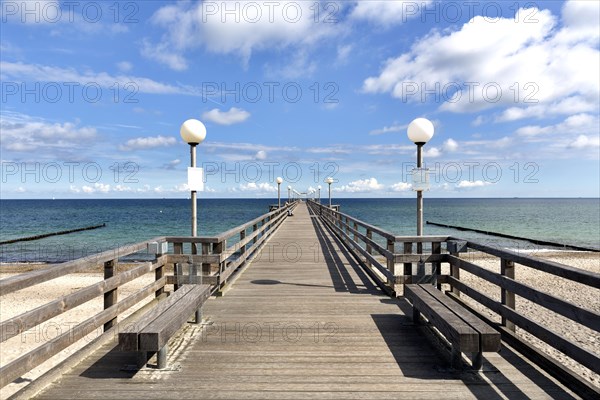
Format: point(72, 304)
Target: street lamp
point(193, 132)
point(329, 181)
point(289, 190)
point(279, 181)
point(319, 188)
point(420, 130)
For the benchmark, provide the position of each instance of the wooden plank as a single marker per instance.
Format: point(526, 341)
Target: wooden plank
point(129, 335)
point(195, 259)
point(355, 342)
point(557, 341)
point(489, 337)
point(578, 384)
point(374, 262)
point(28, 320)
point(195, 280)
point(426, 258)
point(155, 335)
point(578, 314)
point(565, 271)
point(21, 281)
point(457, 331)
point(28, 361)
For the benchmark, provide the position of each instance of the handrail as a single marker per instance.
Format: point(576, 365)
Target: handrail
point(347, 229)
point(586, 277)
point(214, 250)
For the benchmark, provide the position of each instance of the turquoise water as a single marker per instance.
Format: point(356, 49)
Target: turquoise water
point(570, 221)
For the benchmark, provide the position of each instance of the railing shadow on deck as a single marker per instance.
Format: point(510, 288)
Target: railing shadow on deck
point(192, 259)
point(381, 253)
point(340, 275)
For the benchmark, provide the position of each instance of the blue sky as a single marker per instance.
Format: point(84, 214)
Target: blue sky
point(94, 93)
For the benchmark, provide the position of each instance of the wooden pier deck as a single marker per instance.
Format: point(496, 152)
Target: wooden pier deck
point(304, 321)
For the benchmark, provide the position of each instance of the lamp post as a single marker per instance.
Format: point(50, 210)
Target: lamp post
point(279, 181)
point(419, 131)
point(193, 132)
point(319, 188)
point(329, 181)
point(289, 190)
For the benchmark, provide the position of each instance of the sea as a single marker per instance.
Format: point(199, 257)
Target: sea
point(567, 221)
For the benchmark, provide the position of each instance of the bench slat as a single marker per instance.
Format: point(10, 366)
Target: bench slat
point(452, 327)
point(128, 336)
point(156, 334)
point(490, 338)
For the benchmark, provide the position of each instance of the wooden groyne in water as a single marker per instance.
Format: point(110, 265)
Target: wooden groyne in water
point(504, 235)
point(45, 235)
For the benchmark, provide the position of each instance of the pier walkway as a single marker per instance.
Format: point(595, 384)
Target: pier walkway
point(303, 321)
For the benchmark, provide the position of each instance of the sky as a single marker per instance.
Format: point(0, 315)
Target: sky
point(94, 94)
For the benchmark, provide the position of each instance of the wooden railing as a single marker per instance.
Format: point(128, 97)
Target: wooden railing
point(510, 287)
point(381, 252)
point(221, 256)
point(217, 261)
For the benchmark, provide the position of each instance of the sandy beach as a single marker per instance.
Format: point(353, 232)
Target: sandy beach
point(24, 300)
point(576, 293)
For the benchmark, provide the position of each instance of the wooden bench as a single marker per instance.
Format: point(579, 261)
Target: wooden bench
point(153, 330)
point(465, 332)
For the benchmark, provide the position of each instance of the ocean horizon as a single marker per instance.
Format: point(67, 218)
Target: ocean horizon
point(570, 221)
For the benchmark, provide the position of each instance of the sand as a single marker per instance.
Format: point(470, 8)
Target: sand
point(576, 293)
point(27, 299)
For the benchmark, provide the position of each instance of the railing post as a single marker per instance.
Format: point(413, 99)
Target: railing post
point(243, 248)
point(355, 237)
point(454, 272)
point(436, 266)
point(206, 268)
point(110, 297)
point(177, 249)
point(369, 247)
point(407, 249)
point(218, 248)
point(391, 265)
point(507, 268)
point(159, 272)
point(254, 228)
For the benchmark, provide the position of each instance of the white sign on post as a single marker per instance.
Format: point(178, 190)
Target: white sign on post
point(195, 179)
point(420, 179)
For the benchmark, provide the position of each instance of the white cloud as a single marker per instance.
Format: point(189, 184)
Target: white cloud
point(583, 142)
point(450, 145)
point(361, 185)
point(263, 187)
point(544, 62)
point(247, 28)
point(172, 164)
point(96, 188)
point(575, 124)
point(388, 129)
point(472, 184)
point(431, 152)
point(124, 66)
point(570, 105)
point(386, 12)
point(45, 73)
point(23, 133)
point(400, 187)
point(163, 54)
point(343, 53)
point(148, 143)
point(260, 155)
point(233, 116)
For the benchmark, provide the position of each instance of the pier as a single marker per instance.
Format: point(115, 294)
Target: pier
point(309, 305)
